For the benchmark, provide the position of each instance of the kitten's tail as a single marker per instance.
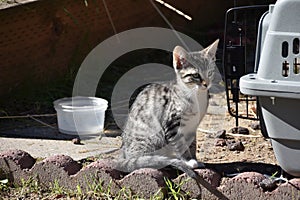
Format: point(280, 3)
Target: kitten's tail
point(152, 161)
point(157, 162)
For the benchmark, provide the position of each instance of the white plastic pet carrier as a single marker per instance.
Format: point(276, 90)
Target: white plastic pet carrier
point(277, 81)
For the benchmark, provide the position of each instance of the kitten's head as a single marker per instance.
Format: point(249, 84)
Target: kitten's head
point(196, 69)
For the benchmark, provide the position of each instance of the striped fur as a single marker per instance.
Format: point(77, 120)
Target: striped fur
point(161, 126)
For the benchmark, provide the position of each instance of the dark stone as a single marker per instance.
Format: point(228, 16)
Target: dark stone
point(107, 166)
point(48, 173)
point(21, 158)
point(268, 184)
point(76, 141)
point(98, 173)
point(220, 142)
point(250, 177)
point(235, 146)
point(221, 134)
point(145, 183)
point(12, 171)
point(255, 126)
point(14, 165)
point(288, 190)
point(236, 189)
point(239, 130)
point(65, 162)
point(246, 186)
point(190, 187)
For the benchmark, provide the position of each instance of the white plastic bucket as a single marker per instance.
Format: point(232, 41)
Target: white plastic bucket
point(80, 115)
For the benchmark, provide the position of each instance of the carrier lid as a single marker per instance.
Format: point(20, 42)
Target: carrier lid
point(253, 85)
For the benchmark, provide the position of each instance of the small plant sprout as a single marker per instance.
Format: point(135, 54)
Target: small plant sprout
point(56, 188)
point(79, 190)
point(175, 191)
point(4, 185)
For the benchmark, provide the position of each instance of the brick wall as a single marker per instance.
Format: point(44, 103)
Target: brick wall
point(39, 41)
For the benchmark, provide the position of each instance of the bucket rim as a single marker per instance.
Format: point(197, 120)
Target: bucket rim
point(67, 103)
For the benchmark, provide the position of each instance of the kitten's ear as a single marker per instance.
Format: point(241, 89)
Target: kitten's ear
point(211, 50)
point(179, 57)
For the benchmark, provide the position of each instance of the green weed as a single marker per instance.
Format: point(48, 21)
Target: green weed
point(175, 191)
point(4, 185)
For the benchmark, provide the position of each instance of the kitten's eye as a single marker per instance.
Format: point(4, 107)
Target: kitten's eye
point(210, 73)
point(196, 76)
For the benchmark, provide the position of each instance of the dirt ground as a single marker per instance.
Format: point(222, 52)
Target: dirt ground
point(257, 149)
point(255, 155)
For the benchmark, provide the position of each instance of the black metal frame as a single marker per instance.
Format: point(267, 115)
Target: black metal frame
point(233, 73)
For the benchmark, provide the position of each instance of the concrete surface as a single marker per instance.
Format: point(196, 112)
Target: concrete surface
point(42, 142)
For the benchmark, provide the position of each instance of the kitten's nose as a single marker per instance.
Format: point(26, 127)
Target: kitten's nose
point(204, 84)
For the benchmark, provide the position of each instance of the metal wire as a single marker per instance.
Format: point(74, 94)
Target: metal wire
point(26, 116)
point(236, 114)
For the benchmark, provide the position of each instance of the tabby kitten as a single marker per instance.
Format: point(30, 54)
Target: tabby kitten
point(161, 126)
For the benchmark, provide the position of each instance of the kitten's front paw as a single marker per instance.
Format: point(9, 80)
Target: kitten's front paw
point(195, 164)
point(192, 163)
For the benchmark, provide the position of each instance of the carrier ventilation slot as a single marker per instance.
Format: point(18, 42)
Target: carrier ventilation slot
point(285, 49)
point(296, 66)
point(296, 46)
point(285, 69)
